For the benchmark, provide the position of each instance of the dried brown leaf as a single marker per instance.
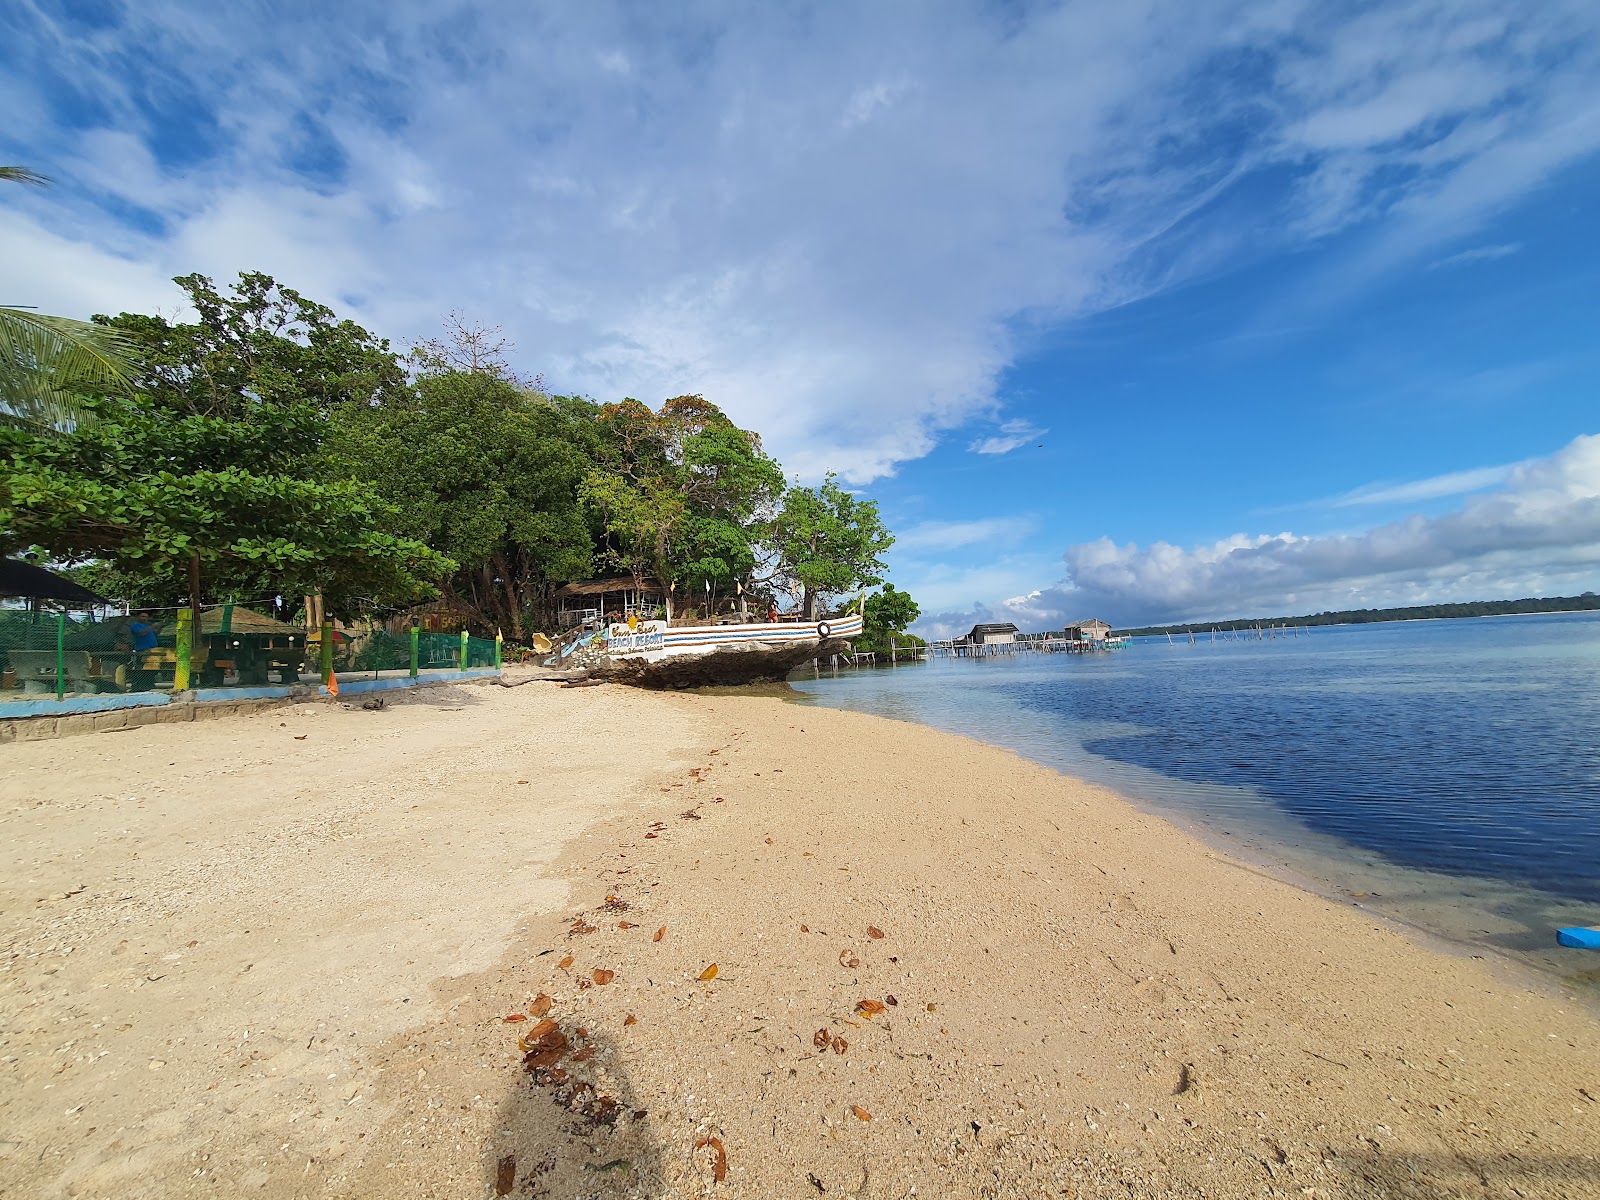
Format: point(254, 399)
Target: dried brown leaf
point(630, 1020)
point(869, 1008)
point(603, 976)
point(541, 1005)
point(840, 1045)
point(543, 1044)
point(627, 925)
point(515, 1017)
point(521, 782)
point(690, 815)
point(769, 841)
point(891, 1001)
point(581, 926)
point(848, 960)
point(564, 963)
point(719, 1165)
point(709, 973)
point(874, 932)
point(805, 929)
point(860, 1112)
point(660, 933)
point(821, 1039)
point(300, 737)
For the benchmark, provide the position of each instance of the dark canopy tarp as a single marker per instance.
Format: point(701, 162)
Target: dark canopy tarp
point(35, 583)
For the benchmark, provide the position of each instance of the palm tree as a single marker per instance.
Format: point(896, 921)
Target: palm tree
point(47, 363)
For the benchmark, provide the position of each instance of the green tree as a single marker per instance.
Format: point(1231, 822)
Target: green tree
point(829, 543)
point(206, 477)
point(683, 494)
point(136, 490)
point(886, 615)
point(484, 472)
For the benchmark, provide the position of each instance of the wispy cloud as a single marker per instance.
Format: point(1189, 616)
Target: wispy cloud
point(1455, 483)
point(1013, 434)
point(1476, 254)
point(935, 536)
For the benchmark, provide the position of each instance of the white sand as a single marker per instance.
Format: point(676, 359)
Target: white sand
point(288, 969)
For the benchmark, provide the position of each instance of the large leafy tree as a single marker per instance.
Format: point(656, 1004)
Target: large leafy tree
point(683, 494)
point(829, 542)
point(205, 480)
point(165, 504)
point(485, 472)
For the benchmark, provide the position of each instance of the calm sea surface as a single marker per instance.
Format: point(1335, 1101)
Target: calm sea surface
point(1445, 773)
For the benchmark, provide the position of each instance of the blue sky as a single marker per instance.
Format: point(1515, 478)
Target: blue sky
point(1151, 310)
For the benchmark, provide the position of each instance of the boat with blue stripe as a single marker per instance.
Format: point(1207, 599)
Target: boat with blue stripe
point(655, 654)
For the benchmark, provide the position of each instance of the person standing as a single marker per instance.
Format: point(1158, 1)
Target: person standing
point(143, 630)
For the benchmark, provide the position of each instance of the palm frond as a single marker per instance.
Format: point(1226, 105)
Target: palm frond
point(23, 175)
point(47, 363)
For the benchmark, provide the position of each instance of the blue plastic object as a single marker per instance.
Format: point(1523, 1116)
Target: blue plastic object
point(1583, 939)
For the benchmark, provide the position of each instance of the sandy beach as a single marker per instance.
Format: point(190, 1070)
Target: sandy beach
point(750, 948)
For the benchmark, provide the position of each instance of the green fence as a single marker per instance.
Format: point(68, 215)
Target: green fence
point(51, 654)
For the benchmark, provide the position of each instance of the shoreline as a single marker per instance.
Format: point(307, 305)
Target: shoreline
point(1257, 854)
point(1076, 996)
point(1442, 910)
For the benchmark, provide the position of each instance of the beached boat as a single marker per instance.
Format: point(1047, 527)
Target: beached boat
point(652, 654)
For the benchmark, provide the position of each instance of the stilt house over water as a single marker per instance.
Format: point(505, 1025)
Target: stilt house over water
point(1092, 630)
point(992, 635)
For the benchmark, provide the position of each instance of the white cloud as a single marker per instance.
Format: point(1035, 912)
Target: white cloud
point(1538, 535)
point(1454, 483)
point(953, 535)
point(1476, 254)
point(825, 222)
point(1012, 435)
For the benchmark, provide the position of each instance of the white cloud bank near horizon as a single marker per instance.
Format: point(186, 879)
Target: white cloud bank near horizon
point(829, 220)
point(1538, 534)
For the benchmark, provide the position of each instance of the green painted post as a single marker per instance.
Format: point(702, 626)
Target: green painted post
point(499, 642)
point(61, 656)
point(463, 649)
point(327, 652)
point(414, 639)
point(227, 616)
point(182, 649)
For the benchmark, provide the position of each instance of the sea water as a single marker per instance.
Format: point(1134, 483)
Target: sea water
point(1442, 773)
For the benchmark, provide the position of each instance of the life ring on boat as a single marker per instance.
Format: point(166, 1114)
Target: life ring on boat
point(824, 629)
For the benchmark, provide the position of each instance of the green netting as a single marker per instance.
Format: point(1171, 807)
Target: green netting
point(48, 654)
point(480, 652)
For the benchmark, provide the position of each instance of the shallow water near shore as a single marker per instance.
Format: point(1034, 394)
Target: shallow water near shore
point(1442, 773)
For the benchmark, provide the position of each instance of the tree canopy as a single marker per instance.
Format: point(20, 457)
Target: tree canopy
point(267, 447)
point(829, 542)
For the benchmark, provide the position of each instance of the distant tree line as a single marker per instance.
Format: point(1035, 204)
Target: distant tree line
point(1587, 602)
